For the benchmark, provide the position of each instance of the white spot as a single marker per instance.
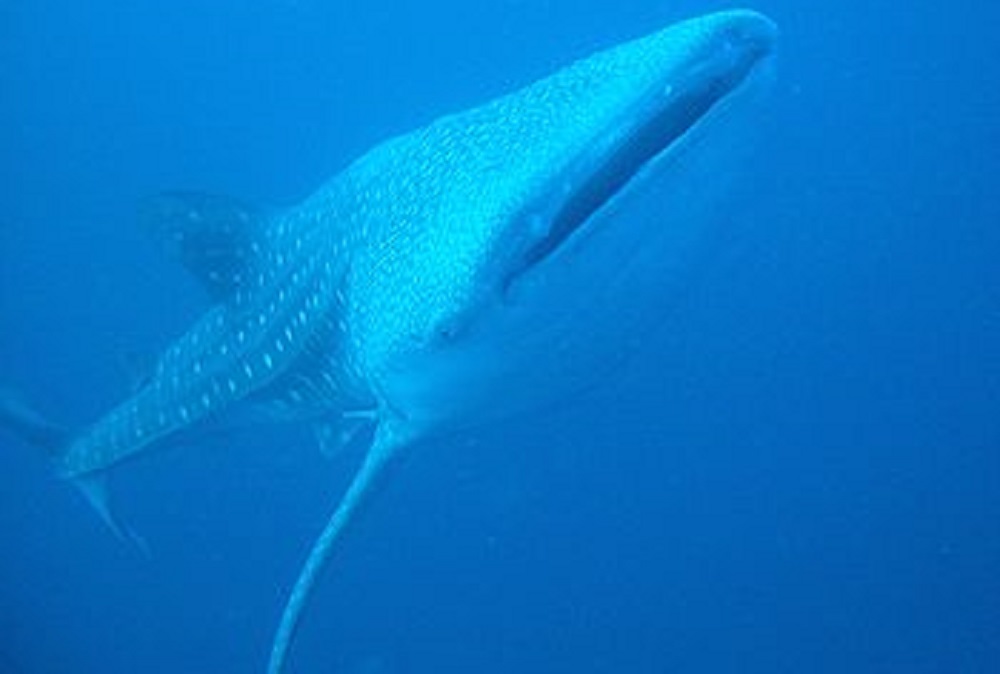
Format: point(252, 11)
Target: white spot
point(268, 363)
point(185, 415)
point(247, 370)
point(231, 384)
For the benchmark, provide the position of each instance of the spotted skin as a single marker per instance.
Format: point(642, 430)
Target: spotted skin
point(454, 274)
point(276, 319)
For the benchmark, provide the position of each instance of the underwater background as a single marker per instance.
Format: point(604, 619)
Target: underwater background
point(799, 472)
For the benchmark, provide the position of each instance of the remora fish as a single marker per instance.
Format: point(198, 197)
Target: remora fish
point(468, 270)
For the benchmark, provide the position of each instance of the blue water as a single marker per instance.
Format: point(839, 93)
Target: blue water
point(799, 473)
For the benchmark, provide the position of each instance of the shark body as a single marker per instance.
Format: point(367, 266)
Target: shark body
point(446, 268)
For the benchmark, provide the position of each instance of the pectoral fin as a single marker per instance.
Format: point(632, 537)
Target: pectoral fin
point(388, 439)
point(334, 438)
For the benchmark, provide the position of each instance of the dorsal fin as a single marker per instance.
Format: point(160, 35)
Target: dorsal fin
point(213, 236)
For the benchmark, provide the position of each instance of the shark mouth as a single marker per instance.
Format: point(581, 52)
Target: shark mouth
point(664, 120)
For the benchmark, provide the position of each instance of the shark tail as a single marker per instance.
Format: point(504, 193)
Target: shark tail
point(22, 420)
point(383, 448)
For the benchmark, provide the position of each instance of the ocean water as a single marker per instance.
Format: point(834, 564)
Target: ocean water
point(799, 472)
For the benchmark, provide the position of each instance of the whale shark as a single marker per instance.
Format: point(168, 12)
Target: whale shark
point(494, 262)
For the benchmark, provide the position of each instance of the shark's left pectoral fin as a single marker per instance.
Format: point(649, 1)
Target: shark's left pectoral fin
point(334, 438)
point(389, 437)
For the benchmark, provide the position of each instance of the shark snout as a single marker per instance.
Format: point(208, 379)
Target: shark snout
point(742, 42)
point(751, 34)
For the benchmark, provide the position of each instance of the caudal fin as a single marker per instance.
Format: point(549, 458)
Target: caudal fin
point(22, 420)
point(384, 446)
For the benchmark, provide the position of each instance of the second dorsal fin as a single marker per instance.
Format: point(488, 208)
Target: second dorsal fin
point(213, 236)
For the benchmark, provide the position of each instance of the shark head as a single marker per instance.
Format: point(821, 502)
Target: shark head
point(516, 247)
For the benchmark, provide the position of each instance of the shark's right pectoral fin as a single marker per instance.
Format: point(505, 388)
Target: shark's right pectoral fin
point(216, 238)
point(388, 439)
